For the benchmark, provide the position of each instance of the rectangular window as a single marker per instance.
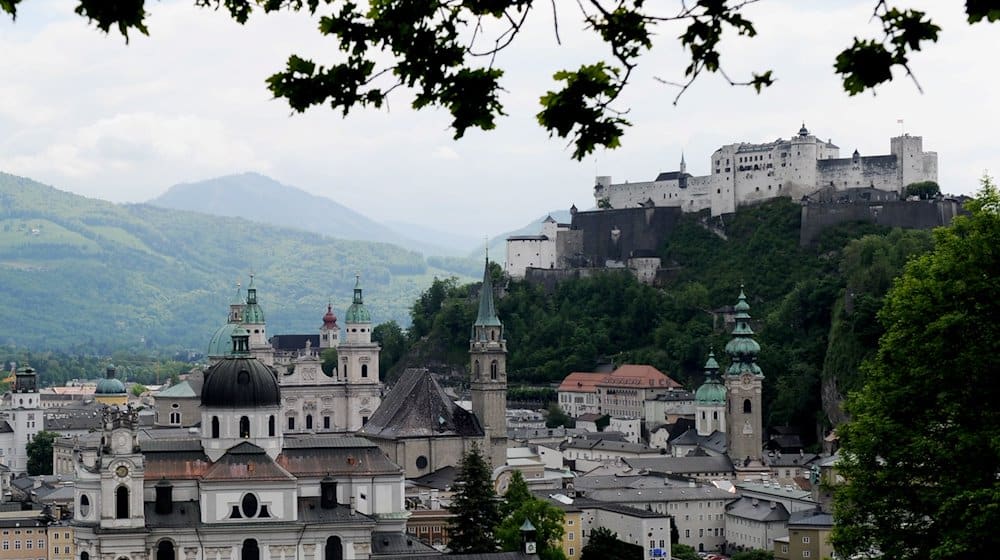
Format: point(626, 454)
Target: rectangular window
point(784, 548)
point(805, 540)
point(806, 554)
point(570, 536)
point(66, 549)
point(572, 552)
point(6, 545)
point(326, 422)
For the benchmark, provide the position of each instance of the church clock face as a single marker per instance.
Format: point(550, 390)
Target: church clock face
point(121, 471)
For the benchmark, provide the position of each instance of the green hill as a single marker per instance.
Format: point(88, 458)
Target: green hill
point(85, 274)
point(812, 342)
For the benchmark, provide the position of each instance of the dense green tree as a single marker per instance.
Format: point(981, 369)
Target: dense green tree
point(603, 544)
point(394, 344)
point(438, 50)
point(329, 363)
point(556, 417)
point(548, 522)
point(517, 494)
point(683, 552)
point(475, 506)
point(39, 451)
point(926, 190)
point(753, 555)
point(138, 389)
point(920, 455)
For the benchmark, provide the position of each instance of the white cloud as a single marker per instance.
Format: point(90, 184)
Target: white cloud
point(87, 113)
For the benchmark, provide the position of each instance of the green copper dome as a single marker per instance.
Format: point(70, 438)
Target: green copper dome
point(110, 385)
point(221, 343)
point(252, 313)
point(711, 391)
point(357, 313)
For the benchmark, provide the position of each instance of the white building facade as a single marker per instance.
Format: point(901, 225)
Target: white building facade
point(746, 173)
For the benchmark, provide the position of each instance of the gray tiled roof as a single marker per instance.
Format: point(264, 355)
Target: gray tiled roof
point(606, 445)
point(399, 544)
point(664, 494)
point(417, 407)
point(757, 510)
point(617, 507)
point(682, 465)
point(812, 517)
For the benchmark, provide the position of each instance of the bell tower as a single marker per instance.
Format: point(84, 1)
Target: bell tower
point(122, 470)
point(744, 383)
point(488, 365)
point(359, 365)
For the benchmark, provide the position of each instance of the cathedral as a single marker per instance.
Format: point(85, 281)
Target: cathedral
point(240, 487)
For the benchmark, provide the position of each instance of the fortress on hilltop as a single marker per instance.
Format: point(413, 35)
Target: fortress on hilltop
point(743, 174)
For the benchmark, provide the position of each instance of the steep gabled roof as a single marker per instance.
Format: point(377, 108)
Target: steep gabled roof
point(417, 407)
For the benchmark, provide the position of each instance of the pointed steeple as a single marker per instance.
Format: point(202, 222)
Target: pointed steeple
point(683, 165)
point(743, 349)
point(487, 316)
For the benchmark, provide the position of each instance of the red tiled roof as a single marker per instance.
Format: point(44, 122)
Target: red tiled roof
point(581, 382)
point(639, 376)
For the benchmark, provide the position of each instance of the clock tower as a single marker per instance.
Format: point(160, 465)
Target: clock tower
point(744, 383)
point(121, 470)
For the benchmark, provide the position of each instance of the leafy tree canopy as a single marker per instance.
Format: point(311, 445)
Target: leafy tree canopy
point(548, 522)
point(754, 555)
point(474, 505)
point(926, 190)
point(921, 455)
point(683, 552)
point(604, 545)
point(446, 53)
point(39, 451)
point(517, 494)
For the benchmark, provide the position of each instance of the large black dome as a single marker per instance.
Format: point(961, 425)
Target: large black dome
point(240, 382)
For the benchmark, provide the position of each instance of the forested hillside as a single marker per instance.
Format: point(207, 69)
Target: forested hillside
point(813, 309)
point(91, 276)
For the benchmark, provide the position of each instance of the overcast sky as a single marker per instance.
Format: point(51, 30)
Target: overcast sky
point(87, 113)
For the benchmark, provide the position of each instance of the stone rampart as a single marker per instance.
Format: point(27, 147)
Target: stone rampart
point(924, 214)
point(614, 235)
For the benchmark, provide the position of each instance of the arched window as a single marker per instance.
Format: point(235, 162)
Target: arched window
point(291, 422)
point(364, 370)
point(475, 368)
point(493, 335)
point(250, 550)
point(494, 367)
point(747, 407)
point(165, 550)
point(270, 426)
point(715, 415)
point(334, 549)
point(309, 421)
point(121, 503)
point(84, 555)
point(175, 417)
point(84, 505)
point(702, 414)
point(215, 427)
point(244, 427)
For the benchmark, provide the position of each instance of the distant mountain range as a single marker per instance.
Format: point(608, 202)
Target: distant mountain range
point(261, 199)
point(92, 276)
point(85, 274)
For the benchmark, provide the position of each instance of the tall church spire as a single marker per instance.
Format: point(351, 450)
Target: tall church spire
point(488, 364)
point(744, 384)
point(487, 316)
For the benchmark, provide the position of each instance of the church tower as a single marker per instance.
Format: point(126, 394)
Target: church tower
point(710, 401)
point(26, 415)
point(744, 381)
point(359, 364)
point(329, 333)
point(254, 323)
point(488, 357)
